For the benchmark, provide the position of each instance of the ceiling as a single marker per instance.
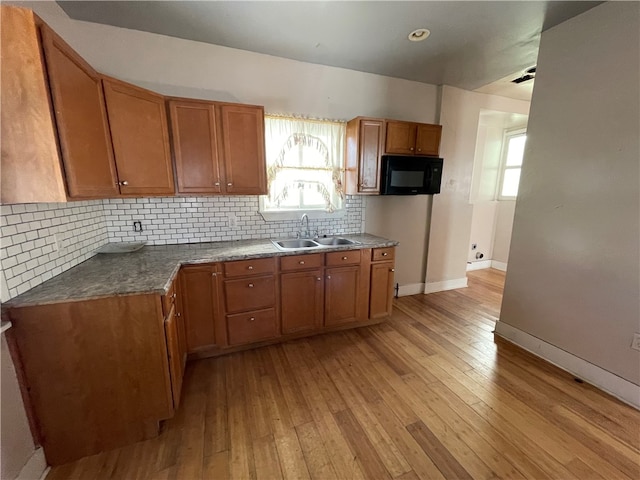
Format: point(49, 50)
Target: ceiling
point(472, 44)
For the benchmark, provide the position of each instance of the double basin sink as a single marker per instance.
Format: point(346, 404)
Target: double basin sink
point(308, 244)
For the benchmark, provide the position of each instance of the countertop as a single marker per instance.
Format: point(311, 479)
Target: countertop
point(153, 268)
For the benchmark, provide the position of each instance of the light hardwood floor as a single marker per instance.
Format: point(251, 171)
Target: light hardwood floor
point(428, 394)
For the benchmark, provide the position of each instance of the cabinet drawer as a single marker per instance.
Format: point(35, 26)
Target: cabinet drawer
point(243, 268)
point(252, 326)
point(252, 293)
point(387, 253)
point(300, 262)
point(347, 257)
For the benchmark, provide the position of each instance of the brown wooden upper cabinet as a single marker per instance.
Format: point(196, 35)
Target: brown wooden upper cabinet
point(140, 136)
point(81, 118)
point(243, 147)
point(365, 144)
point(218, 147)
point(408, 138)
point(31, 167)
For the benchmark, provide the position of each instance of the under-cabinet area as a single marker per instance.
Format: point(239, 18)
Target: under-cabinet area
point(77, 336)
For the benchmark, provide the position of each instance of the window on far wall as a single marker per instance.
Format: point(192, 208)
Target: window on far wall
point(305, 167)
point(514, 141)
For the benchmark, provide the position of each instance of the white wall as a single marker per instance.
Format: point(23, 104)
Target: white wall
point(15, 440)
point(503, 230)
point(574, 277)
point(452, 211)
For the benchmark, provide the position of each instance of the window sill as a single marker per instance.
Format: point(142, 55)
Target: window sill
point(296, 214)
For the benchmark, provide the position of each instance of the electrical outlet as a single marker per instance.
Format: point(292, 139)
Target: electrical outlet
point(232, 220)
point(635, 344)
point(137, 226)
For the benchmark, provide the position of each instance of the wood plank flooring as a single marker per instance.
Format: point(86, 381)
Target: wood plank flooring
point(427, 394)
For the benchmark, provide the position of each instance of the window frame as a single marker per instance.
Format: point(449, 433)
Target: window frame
point(312, 212)
point(507, 136)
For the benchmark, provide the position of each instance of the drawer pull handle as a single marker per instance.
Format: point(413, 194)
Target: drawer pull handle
point(250, 267)
point(301, 262)
point(252, 319)
point(250, 285)
point(217, 184)
point(229, 184)
point(384, 254)
point(344, 258)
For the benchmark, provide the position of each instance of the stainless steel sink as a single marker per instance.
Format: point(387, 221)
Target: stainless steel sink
point(295, 244)
point(308, 244)
point(331, 241)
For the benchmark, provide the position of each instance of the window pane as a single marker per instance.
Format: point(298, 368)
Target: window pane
point(511, 182)
point(516, 150)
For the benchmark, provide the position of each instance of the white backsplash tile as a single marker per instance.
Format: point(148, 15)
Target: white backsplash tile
point(39, 241)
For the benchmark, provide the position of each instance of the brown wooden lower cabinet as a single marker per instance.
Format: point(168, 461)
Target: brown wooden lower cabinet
point(381, 289)
point(251, 327)
point(200, 300)
point(302, 301)
point(96, 372)
point(342, 300)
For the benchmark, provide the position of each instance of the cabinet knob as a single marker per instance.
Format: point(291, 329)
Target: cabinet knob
point(217, 184)
point(328, 277)
point(384, 254)
point(301, 262)
point(214, 274)
point(229, 184)
point(250, 267)
point(392, 270)
point(344, 258)
point(252, 319)
point(250, 285)
point(411, 149)
point(124, 182)
point(174, 295)
point(419, 149)
point(319, 279)
point(178, 314)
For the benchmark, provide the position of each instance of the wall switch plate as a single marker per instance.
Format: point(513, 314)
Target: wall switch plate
point(635, 344)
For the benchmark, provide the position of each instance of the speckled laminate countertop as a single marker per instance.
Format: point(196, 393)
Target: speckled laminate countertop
point(153, 268)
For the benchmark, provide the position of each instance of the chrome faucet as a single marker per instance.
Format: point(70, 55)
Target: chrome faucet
point(305, 233)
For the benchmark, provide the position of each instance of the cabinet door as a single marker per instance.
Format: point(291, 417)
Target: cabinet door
point(342, 295)
point(138, 122)
point(195, 146)
point(176, 367)
point(381, 289)
point(200, 306)
point(428, 139)
point(81, 118)
point(369, 153)
point(243, 142)
point(401, 137)
point(301, 295)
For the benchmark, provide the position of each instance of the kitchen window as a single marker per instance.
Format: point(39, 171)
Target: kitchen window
point(513, 151)
point(305, 168)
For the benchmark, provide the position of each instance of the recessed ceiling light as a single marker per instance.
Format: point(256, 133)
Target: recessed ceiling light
point(419, 34)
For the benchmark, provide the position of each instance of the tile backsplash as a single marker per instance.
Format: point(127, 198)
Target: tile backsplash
point(39, 241)
point(206, 219)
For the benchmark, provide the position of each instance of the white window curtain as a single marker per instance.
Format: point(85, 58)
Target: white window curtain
point(305, 164)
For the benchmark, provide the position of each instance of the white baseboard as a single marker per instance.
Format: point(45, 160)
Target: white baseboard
point(36, 466)
point(617, 386)
point(499, 265)
point(433, 287)
point(482, 264)
point(410, 289)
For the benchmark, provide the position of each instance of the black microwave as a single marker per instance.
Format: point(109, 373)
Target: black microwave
point(410, 175)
